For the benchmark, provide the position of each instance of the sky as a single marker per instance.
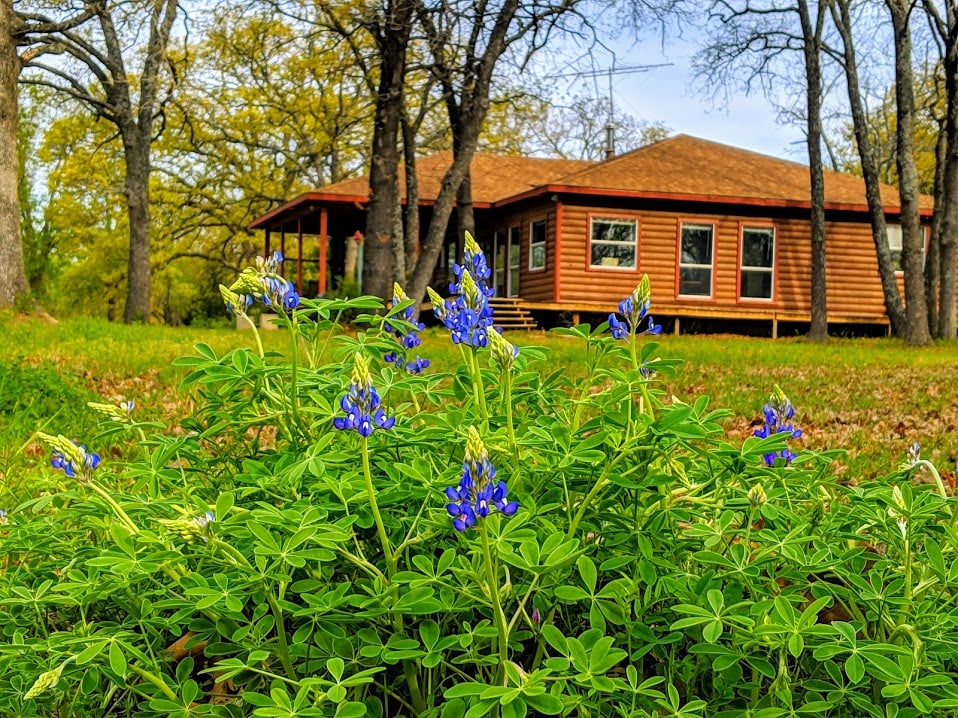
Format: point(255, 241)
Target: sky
point(669, 95)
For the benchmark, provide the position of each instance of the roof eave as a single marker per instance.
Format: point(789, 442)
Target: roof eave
point(263, 220)
point(682, 197)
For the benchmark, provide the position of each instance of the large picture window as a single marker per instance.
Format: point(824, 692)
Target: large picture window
point(695, 260)
point(614, 243)
point(537, 245)
point(758, 263)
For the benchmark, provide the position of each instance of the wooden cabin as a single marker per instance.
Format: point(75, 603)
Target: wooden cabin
point(722, 232)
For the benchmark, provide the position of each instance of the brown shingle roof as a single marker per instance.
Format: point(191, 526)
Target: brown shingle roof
point(689, 166)
point(494, 177)
point(680, 167)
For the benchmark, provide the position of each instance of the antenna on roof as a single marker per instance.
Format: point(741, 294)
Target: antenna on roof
point(612, 70)
point(610, 125)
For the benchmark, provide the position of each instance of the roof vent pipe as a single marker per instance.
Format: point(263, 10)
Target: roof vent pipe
point(609, 141)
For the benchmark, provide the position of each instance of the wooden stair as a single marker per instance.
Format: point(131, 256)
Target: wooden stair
point(509, 313)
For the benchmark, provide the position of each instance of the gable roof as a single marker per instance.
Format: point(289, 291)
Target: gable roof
point(689, 167)
point(677, 168)
point(494, 177)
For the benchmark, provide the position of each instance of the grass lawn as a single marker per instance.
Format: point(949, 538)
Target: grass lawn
point(872, 397)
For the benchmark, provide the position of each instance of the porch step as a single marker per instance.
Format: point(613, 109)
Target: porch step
point(508, 313)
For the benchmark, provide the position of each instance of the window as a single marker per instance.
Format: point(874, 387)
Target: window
point(614, 243)
point(537, 245)
point(695, 263)
point(894, 245)
point(758, 263)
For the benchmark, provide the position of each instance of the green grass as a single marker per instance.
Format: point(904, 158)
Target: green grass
point(873, 397)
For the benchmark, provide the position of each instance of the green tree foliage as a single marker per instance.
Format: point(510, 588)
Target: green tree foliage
point(883, 122)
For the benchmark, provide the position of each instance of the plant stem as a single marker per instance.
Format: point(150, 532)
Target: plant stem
point(294, 364)
point(156, 681)
point(507, 389)
point(409, 669)
point(498, 616)
point(477, 389)
point(374, 506)
point(259, 340)
point(283, 652)
point(117, 509)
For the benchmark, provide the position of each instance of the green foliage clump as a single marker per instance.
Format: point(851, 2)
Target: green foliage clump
point(279, 556)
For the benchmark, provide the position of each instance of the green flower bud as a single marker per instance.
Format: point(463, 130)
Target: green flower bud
point(45, 682)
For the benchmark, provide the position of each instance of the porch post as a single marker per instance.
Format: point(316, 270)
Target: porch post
point(323, 242)
point(282, 249)
point(266, 253)
point(299, 256)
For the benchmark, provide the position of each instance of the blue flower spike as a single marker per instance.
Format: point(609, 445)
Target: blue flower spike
point(408, 338)
point(71, 458)
point(261, 283)
point(361, 405)
point(778, 415)
point(635, 310)
point(478, 492)
point(467, 316)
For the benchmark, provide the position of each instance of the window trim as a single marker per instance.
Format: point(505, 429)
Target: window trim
point(682, 224)
point(544, 221)
point(618, 219)
point(740, 268)
point(926, 232)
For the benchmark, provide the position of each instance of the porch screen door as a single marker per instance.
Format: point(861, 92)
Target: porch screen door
point(499, 263)
point(512, 285)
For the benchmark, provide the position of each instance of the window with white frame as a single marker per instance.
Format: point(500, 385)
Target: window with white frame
point(614, 243)
point(758, 263)
point(537, 244)
point(695, 260)
point(894, 245)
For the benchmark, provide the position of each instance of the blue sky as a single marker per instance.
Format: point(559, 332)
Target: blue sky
point(669, 95)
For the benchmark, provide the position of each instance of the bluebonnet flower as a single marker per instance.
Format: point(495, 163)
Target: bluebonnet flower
point(262, 282)
point(474, 262)
point(467, 316)
point(778, 412)
point(478, 492)
point(118, 412)
point(503, 351)
point(191, 529)
point(71, 458)
point(4, 519)
point(361, 404)
point(635, 309)
point(408, 338)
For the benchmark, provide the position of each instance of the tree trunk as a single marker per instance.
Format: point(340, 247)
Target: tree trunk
point(442, 209)
point(392, 39)
point(933, 259)
point(136, 151)
point(948, 208)
point(813, 96)
point(13, 281)
point(398, 246)
point(916, 313)
point(411, 227)
point(870, 172)
point(465, 215)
